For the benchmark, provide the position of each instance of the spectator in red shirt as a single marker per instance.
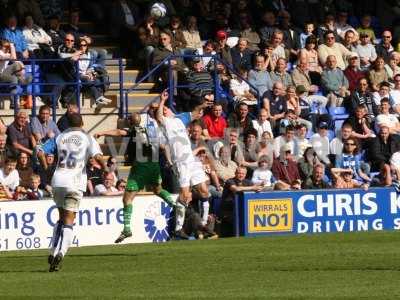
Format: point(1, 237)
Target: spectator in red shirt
point(285, 170)
point(215, 122)
point(353, 72)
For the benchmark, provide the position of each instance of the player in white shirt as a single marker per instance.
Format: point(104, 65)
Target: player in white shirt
point(74, 148)
point(188, 168)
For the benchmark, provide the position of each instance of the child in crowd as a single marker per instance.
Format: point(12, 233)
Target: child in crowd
point(263, 175)
point(308, 31)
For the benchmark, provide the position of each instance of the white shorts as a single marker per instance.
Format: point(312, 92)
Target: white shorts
point(67, 199)
point(190, 173)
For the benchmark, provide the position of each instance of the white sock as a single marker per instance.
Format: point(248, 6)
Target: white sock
point(180, 210)
point(67, 235)
point(204, 210)
point(56, 238)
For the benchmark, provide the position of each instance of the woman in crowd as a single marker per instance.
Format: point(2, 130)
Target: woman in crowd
point(378, 73)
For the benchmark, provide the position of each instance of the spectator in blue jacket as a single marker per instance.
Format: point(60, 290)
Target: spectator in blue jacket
point(14, 35)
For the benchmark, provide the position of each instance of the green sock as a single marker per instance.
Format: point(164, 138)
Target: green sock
point(166, 196)
point(127, 217)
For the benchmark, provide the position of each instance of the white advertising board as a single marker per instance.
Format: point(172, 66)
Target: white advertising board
point(29, 224)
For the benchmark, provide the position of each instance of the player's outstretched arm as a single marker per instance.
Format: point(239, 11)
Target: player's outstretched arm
point(112, 132)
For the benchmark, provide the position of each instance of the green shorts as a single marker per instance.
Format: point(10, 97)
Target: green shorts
point(142, 175)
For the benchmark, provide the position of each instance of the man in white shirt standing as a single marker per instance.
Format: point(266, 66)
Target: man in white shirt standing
point(74, 148)
point(188, 169)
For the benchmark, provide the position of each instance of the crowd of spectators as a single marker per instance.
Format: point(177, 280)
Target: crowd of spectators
point(309, 94)
point(30, 31)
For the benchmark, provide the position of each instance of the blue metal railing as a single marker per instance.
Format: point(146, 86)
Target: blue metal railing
point(76, 83)
point(172, 86)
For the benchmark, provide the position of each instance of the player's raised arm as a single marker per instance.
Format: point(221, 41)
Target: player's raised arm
point(160, 112)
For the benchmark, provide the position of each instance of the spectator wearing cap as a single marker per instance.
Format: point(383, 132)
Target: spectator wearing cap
point(331, 48)
point(385, 117)
point(378, 73)
point(334, 83)
point(366, 51)
point(223, 49)
point(320, 143)
point(316, 181)
point(241, 55)
point(301, 77)
point(199, 82)
point(385, 48)
point(285, 169)
point(259, 76)
point(353, 72)
point(380, 151)
point(362, 96)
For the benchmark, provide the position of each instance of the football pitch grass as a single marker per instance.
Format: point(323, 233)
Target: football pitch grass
point(326, 266)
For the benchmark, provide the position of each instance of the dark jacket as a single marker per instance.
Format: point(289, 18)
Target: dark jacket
point(241, 59)
point(380, 153)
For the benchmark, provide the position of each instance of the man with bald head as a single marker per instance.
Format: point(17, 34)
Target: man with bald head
point(275, 104)
point(19, 134)
point(301, 76)
point(334, 82)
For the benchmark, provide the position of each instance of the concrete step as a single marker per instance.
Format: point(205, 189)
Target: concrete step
point(142, 88)
point(140, 99)
point(129, 76)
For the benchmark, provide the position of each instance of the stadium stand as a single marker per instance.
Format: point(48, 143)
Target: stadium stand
point(262, 87)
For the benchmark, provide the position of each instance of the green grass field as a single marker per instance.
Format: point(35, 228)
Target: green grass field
point(329, 266)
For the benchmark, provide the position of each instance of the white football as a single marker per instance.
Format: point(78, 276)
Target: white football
point(158, 10)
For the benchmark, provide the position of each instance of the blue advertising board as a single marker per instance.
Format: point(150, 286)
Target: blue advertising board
point(316, 211)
